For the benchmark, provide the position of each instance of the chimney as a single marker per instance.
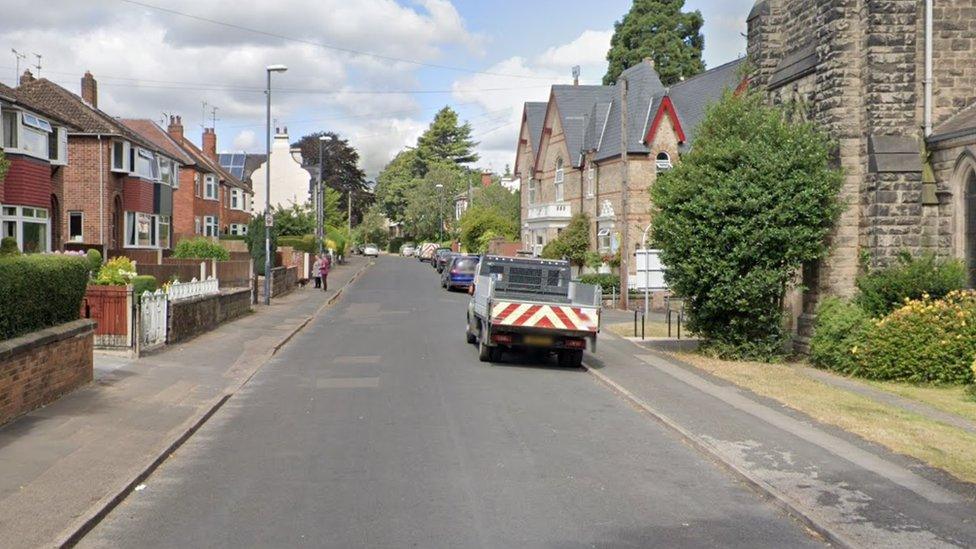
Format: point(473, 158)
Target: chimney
point(89, 89)
point(576, 75)
point(649, 61)
point(175, 128)
point(26, 77)
point(210, 144)
point(485, 178)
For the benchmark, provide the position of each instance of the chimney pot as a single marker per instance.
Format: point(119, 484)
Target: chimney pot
point(175, 129)
point(26, 77)
point(210, 144)
point(89, 89)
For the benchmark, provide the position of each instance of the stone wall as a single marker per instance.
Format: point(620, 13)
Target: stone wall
point(189, 318)
point(38, 368)
point(283, 280)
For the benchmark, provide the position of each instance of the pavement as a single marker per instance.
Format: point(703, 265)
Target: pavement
point(377, 426)
point(65, 463)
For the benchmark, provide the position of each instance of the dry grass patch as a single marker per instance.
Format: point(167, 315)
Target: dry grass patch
point(943, 446)
point(651, 329)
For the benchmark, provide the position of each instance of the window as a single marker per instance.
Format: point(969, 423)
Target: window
point(603, 239)
point(210, 187)
point(236, 200)
point(37, 123)
point(533, 190)
point(197, 226)
point(591, 181)
point(163, 226)
point(210, 227)
point(140, 230)
point(76, 223)
point(33, 139)
point(663, 161)
point(30, 227)
point(120, 154)
point(9, 120)
point(238, 229)
point(197, 184)
point(144, 164)
point(166, 171)
point(560, 172)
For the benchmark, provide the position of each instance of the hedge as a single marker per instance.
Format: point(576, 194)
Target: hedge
point(143, 283)
point(609, 282)
point(39, 291)
point(884, 290)
point(200, 248)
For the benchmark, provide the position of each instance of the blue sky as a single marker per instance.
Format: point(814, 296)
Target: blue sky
point(150, 61)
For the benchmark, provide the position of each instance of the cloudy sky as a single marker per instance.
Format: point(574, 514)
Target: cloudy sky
point(373, 70)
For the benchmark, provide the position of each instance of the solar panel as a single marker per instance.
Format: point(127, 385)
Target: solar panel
point(233, 162)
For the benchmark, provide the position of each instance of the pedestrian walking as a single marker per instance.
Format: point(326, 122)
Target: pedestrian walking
point(316, 271)
point(324, 266)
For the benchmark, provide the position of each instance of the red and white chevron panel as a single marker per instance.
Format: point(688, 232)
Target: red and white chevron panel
point(559, 317)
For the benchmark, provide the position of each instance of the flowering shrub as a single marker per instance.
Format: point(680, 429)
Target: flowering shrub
point(118, 271)
point(926, 340)
point(881, 291)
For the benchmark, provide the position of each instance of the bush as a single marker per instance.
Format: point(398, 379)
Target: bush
point(838, 335)
point(200, 248)
point(609, 282)
point(38, 291)
point(94, 260)
point(232, 237)
point(118, 271)
point(924, 341)
point(255, 243)
point(143, 283)
point(478, 221)
point(8, 247)
point(395, 244)
point(739, 216)
point(306, 243)
point(884, 290)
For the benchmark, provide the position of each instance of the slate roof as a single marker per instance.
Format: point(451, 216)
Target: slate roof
point(205, 162)
point(644, 86)
point(159, 137)
point(535, 117)
point(958, 125)
point(14, 96)
point(692, 96)
point(73, 110)
point(794, 66)
point(574, 104)
point(251, 163)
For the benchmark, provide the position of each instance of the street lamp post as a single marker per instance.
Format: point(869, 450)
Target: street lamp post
point(440, 210)
point(647, 268)
point(268, 219)
point(320, 198)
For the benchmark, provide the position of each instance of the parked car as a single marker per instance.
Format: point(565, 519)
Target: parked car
point(425, 252)
point(459, 272)
point(407, 250)
point(371, 250)
point(441, 257)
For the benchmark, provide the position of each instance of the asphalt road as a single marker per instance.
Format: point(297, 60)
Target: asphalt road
point(378, 427)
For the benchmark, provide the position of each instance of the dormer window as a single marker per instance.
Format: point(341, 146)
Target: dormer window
point(120, 156)
point(663, 161)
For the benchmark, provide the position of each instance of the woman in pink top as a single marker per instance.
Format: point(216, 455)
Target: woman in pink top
point(324, 271)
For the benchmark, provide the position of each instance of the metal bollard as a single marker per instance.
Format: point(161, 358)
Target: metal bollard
point(642, 325)
point(635, 323)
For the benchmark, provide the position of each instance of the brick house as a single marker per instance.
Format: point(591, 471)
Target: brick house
point(858, 70)
point(220, 202)
point(35, 143)
point(118, 187)
point(569, 153)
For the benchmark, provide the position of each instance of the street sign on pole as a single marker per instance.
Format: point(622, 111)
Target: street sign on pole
point(269, 219)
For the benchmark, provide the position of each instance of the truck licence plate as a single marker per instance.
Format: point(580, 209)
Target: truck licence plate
point(537, 341)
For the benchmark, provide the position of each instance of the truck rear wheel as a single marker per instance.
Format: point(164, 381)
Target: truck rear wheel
point(570, 358)
point(485, 353)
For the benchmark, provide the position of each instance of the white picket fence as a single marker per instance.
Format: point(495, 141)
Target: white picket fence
point(193, 288)
point(155, 306)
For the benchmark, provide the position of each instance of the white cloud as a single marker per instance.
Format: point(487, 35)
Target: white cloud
point(245, 140)
point(497, 147)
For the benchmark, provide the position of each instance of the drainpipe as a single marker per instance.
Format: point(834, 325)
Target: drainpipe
point(928, 68)
point(101, 198)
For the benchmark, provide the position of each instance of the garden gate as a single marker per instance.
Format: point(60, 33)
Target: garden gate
point(153, 322)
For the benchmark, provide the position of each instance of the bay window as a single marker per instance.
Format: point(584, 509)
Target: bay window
point(166, 171)
point(590, 181)
point(559, 179)
point(144, 164)
point(141, 230)
point(8, 119)
point(30, 227)
point(533, 190)
point(34, 136)
point(163, 229)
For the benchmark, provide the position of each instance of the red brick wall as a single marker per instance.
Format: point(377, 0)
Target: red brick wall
point(33, 374)
point(183, 202)
point(28, 182)
point(137, 195)
point(89, 183)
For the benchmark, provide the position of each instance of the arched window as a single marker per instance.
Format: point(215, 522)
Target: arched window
point(560, 177)
point(663, 161)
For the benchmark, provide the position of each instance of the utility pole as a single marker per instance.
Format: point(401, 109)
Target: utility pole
point(268, 218)
point(320, 197)
point(624, 239)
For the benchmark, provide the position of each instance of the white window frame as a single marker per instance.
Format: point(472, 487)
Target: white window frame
point(533, 190)
point(126, 148)
point(211, 225)
point(36, 122)
point(14, 135)
point(145, 164)
point(164, 225)
point(165, 169)
point(210, 183)
point(151, 220)
point(197, 225)
point(238, 229)
point(604, 239)
point(61, 152)
point(76, 237)
point(236, 199)
point(560, 172)
point(663, 164)
point(18, 216)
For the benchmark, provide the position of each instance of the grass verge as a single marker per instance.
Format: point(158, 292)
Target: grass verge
point(651, 329)
point(939, 445)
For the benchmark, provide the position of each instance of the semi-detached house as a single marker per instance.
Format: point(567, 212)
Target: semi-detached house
point(35, 143)
point(118, 186)
point(569, 153)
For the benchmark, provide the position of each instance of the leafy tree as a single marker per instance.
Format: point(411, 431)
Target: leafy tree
point(340, 168)
point(573, 243)
point(429, 206)
point(445, 140)
point(657, 29)
point(500, 199)
point(480, 224)
point(746, 208)
point(295, 220)
point(255, 243)
point(200, 248)
point(372, 229)
point(393, 183)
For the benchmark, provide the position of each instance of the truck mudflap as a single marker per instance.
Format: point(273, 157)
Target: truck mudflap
point(553, 317)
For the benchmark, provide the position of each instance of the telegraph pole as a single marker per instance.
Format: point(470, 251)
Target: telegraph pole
point(625, 234)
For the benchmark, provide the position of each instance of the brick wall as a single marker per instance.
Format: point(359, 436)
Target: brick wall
point(38, 368)
point(137, 195)
point(183, 201)
point(28, 182)
point(91, 187)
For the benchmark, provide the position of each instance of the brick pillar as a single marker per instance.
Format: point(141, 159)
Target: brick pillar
point(89, 89)
point(210, 143)
point(175, 128)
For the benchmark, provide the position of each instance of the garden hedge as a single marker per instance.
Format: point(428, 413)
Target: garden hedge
point(39, 291)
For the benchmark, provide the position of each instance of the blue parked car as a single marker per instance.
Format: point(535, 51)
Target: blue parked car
point(459, 272)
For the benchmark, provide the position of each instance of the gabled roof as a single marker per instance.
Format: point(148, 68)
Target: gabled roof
point(205, 163)
point(535, 117)
point(73, 110)
point(574, 105)
point(643, 87)
point(13, 96)
point(692, 96)
point(958, 125)
point(159, 137)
